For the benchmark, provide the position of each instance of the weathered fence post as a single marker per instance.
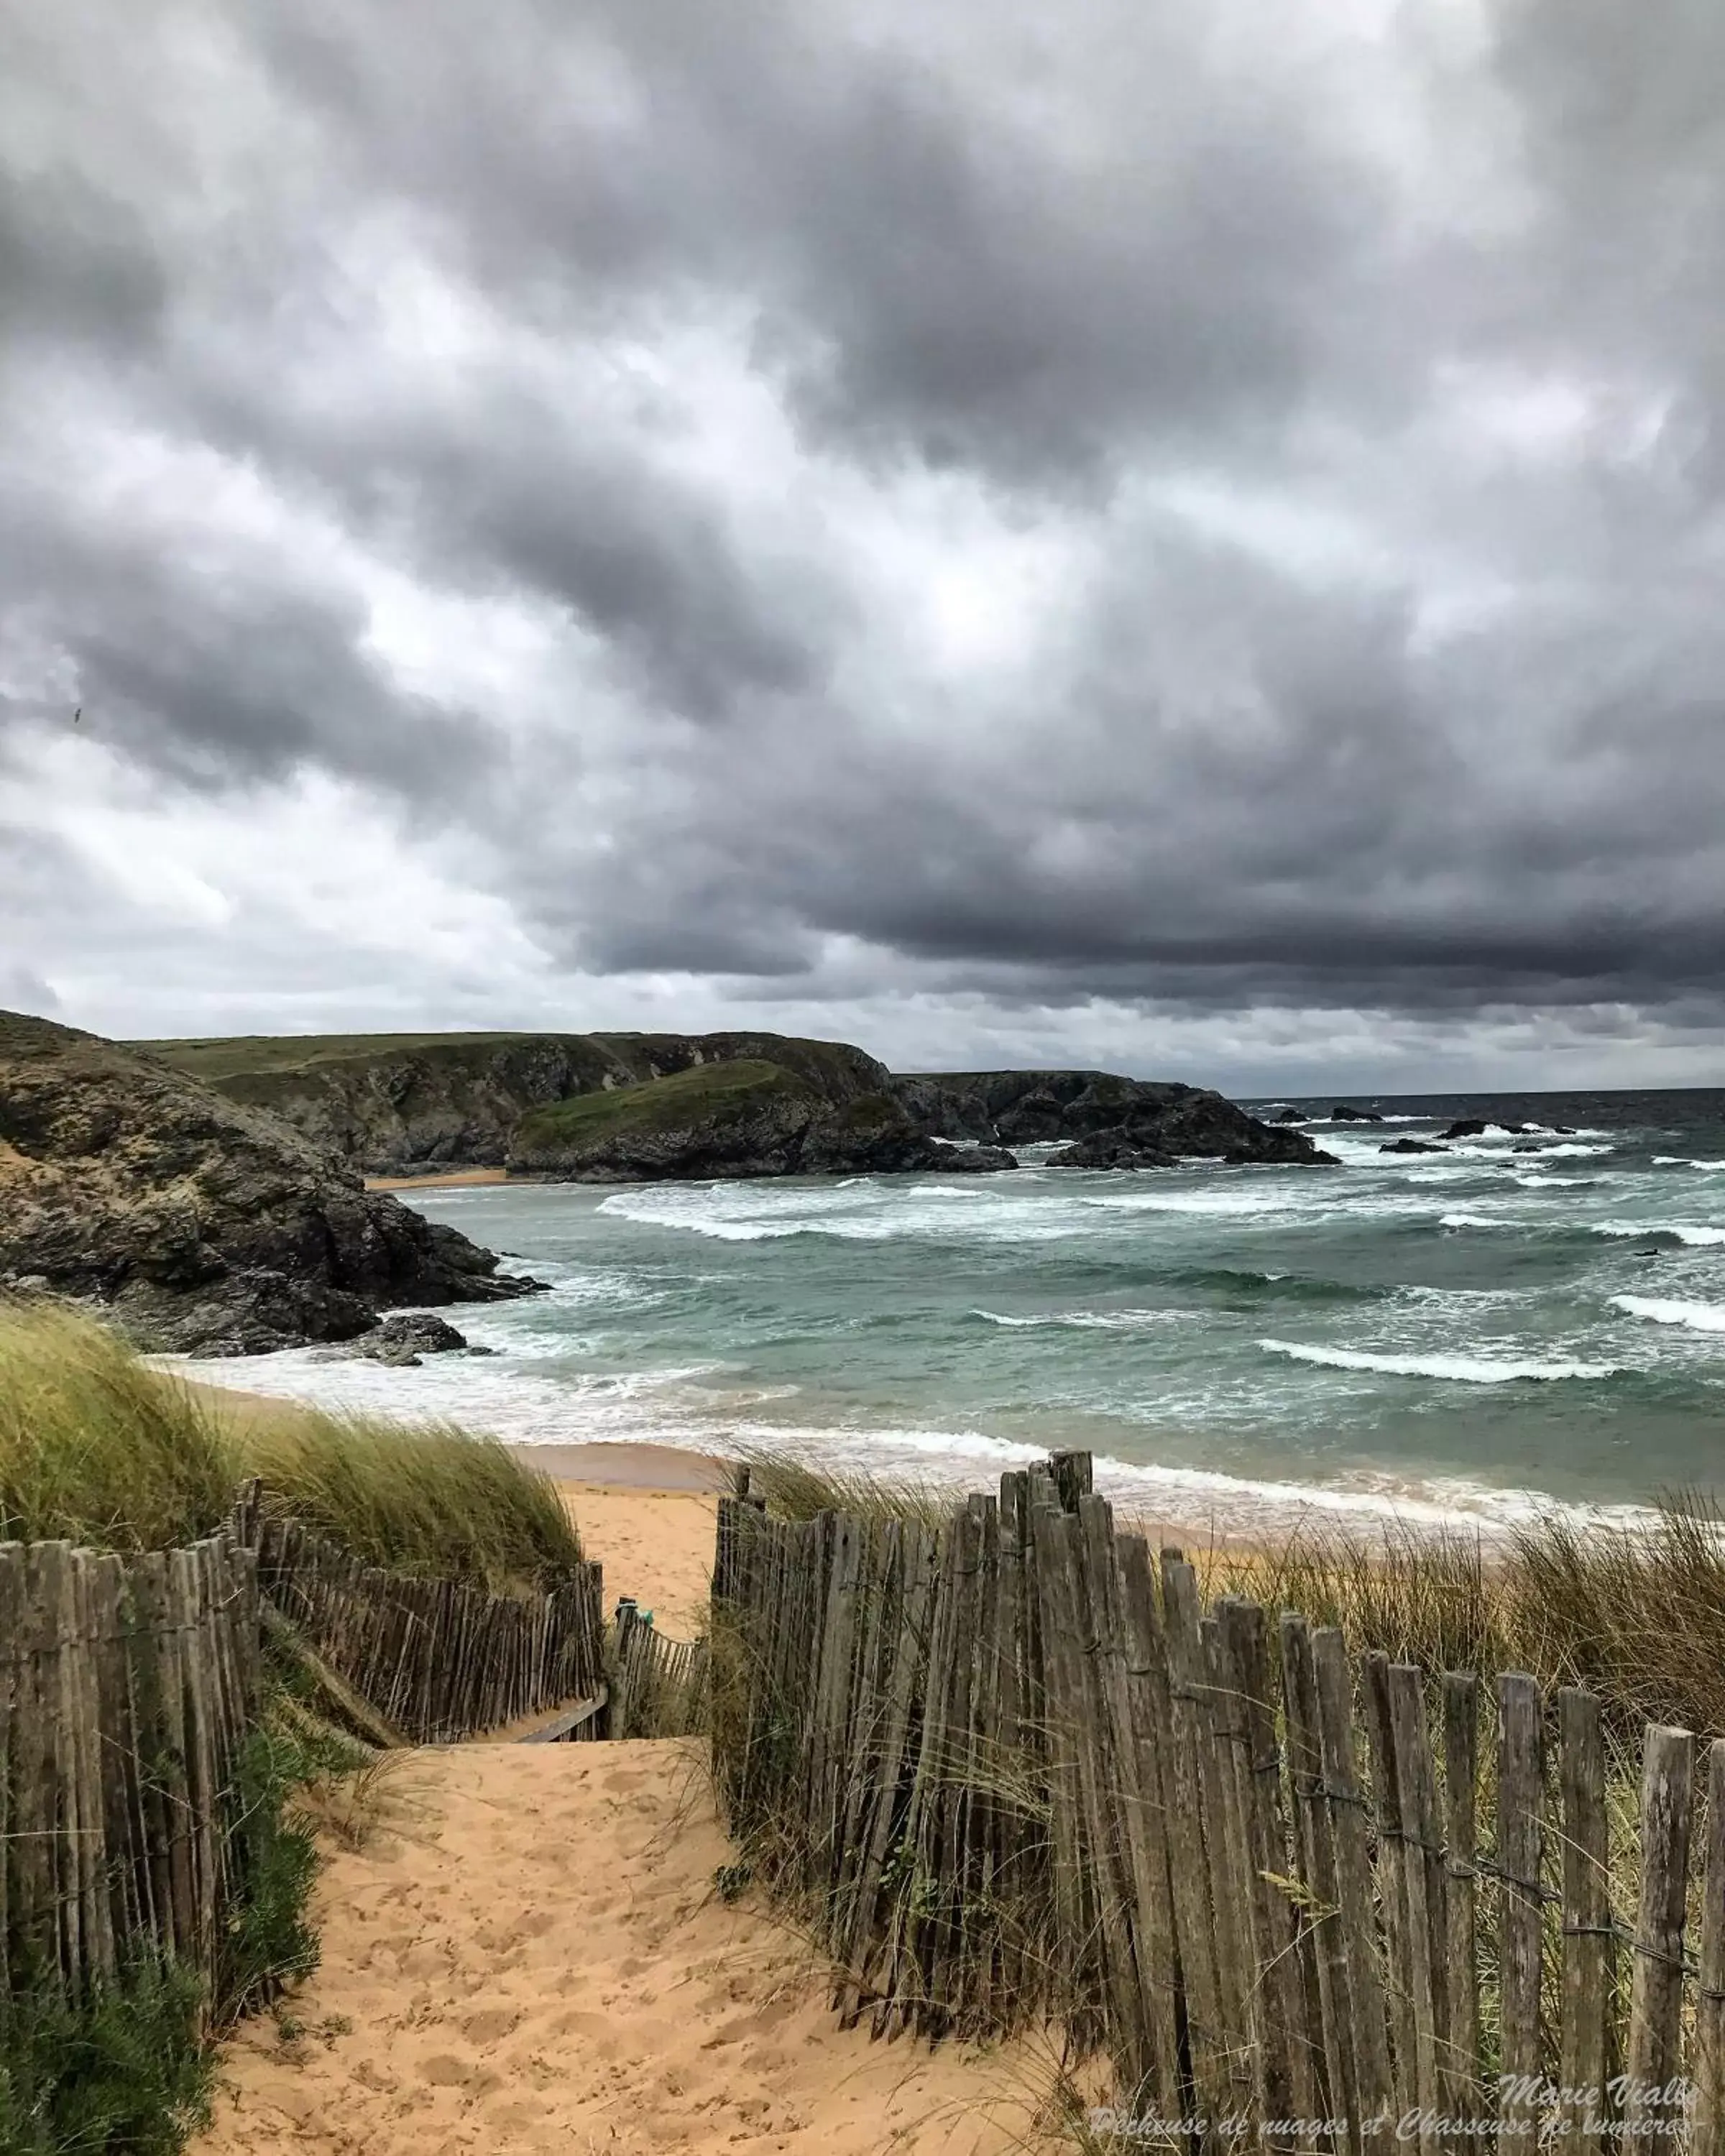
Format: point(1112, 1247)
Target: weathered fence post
point(1521, 1796)
point(1587, 1919)
point(1656, 1986)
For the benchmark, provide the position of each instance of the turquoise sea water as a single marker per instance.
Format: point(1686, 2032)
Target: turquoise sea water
point(1532, 1315)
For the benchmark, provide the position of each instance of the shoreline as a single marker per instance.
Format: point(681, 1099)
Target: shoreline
point(651, 1510)
point(454, 1178)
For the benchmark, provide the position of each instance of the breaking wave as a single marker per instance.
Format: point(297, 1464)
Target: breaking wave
point(1681, 1231)
point(1697, 1317)
point(1461, 1369)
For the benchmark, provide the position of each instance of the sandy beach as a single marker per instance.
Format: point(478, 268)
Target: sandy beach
point(655, 1544)
point(456, 1178)
point(529, 1953)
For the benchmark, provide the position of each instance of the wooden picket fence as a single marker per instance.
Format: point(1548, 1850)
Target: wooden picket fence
point(127, 1686)
point(1017, 1772)
point(436, 1659)
point(660, 1687)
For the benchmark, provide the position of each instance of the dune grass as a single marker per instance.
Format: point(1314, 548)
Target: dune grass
point(796, 1491)
point(432, 1501)
point(96, 1447)
point(99, 1447)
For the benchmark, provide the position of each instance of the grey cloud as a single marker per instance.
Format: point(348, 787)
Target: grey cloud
point(218, 672)
point(934, 277)
point(1078, 264)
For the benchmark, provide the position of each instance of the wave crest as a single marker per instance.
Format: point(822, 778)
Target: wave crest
point(1461, 1369)
point(1696, 1317)
point(1681, 1231)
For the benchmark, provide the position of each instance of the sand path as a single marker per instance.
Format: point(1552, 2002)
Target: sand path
point(530, 1955)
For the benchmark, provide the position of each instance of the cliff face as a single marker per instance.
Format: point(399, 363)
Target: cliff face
point(206, 1224)
point(390, 1103)
point(747, 1117)
point(1031, 1107)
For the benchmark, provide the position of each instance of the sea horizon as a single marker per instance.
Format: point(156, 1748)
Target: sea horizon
point(1533, 1319)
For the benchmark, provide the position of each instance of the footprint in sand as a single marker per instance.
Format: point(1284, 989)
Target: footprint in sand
point(492, 2025)
point(444, 2070)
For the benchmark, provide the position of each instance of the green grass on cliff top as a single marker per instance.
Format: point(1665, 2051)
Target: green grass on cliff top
point(710, 1091)
point(244, 1054)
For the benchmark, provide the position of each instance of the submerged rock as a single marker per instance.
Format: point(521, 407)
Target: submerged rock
point(970, 1160)
point(1342, 1114)
point(413, 1332)
point(1111, 1149)
point(1468, 1126)
point(205, 1227)
point(1412, 1145)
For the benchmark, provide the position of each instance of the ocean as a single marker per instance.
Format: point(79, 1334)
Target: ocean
point(1535, 1316)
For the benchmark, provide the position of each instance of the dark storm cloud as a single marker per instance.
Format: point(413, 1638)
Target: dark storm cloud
point(937, 274)
point(219, 672)
point(1365, 388)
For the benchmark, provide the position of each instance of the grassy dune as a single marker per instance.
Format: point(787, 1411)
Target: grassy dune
point(99, 1447)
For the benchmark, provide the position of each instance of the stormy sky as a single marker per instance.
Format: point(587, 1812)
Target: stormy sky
point(1185, 536)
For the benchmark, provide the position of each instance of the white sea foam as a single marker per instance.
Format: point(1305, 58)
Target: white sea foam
point(1233, 1204)
point(722, 1211)
point(1197, 1496)
point(734, 1213)
point(1094, 1321)
point(672, 1406)
point(1474, 1220)
point(1555, 1182)
point(1463, 1369)
point(1675, 1160)
point(1697, 1317)
point(1698, 1238)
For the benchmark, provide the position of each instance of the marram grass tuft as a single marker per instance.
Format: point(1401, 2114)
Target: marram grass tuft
point(101, 1448)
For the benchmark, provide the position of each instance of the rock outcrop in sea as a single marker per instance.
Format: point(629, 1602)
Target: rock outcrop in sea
point(1097, 1109)
point(205, 1225)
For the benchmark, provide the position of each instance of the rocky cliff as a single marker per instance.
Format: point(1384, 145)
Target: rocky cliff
point(206, 1224)
point(1135, 1115)
point(748, 1117)
point(392, 1103)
